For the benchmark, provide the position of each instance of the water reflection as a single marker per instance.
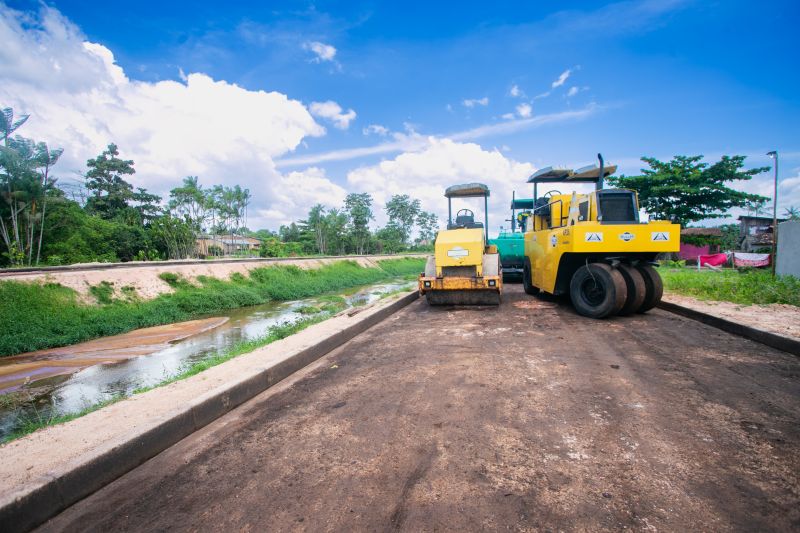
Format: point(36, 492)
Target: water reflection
point(61, 395)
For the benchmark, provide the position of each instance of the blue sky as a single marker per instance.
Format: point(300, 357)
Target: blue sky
point(658, 78)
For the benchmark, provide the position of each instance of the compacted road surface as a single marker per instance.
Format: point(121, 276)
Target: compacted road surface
point(522, 417)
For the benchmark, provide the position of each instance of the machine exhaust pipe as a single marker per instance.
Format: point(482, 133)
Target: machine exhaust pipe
point(599, 185)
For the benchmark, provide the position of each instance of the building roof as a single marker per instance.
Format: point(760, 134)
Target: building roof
point(765, 219)
point(712, 232)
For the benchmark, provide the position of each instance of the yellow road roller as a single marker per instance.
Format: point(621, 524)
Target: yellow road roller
point(593, 246)
point(465, 269)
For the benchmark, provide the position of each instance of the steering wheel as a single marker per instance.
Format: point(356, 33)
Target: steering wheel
point(550, 194)
point(467, 212)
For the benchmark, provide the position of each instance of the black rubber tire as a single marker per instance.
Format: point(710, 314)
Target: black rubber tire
point(654, 287)
point(597, 290)
point(527, 279)
point(634, 283)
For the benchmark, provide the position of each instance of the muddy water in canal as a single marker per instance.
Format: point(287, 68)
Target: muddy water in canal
point(49, 383)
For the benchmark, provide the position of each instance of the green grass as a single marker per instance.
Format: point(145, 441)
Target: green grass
point(275, 333)
point(36, 421)
point(331, 305)
point(34, 317)
point(747, 287)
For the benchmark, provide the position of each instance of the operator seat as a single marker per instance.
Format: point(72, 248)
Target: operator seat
point(465, 221)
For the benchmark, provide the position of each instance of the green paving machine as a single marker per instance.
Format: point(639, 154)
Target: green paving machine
point(511, 244)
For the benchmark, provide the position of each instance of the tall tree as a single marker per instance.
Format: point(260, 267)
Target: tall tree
point(25, 184)
point(316, 223)
point(46, 159)
point(110, 193)
point(403, 211)
point(190, 200)
point(686, 189)
point(8, 125)
point(428, 224)
point(358, 207)
point(335, 226)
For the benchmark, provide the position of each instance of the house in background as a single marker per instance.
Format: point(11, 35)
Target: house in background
point(755, 233)
point(712, 238)
point(227, 245)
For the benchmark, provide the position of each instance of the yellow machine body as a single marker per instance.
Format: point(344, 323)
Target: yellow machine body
point(463, 269)
point(459, 248)
point(572, 230)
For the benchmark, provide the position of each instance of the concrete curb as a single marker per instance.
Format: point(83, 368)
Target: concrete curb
point(773, 340)
point(26, 509)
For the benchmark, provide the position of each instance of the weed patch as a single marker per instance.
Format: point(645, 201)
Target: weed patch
point(748, 287)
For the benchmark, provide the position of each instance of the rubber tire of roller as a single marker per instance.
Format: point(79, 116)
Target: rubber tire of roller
point(654, 287)
point(527, 282)
point(613, 285)
point(634, 283)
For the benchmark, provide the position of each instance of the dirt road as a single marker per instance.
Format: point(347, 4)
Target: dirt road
point(525, 417)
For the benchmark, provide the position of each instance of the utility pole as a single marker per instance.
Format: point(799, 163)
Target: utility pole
point(774, 155)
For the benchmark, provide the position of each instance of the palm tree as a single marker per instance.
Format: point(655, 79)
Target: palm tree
point(792, 213)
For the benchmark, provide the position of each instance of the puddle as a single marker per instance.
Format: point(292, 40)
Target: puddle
point(111, 367)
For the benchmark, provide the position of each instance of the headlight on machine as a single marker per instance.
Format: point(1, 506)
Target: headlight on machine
point(492, 283)
point(427, 284)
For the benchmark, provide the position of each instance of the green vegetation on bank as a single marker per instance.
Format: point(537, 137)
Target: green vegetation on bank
point(34, 317)
point(748, 287)
point(35, 421)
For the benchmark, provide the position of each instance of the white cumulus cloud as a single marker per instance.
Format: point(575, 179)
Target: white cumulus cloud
point(333, 112)
point(426, 173)
point(562, 79)
point(81, 100)
point(472, 102)
point(524, 110)
point(376, 129)
point(322, 51)
point(515, 91)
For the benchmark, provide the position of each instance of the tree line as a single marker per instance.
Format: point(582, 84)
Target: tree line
point(346, 229)
point(106, 219)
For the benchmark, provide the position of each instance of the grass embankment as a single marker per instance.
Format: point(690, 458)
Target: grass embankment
point(34, 317)
point(748, 287)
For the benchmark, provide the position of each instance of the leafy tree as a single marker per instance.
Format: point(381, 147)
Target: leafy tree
point(290, 233)
point(174, 237)
point(335, 224)
point(110, 193)
point(74, 236)
point(390, 239)
point(730, 236)
point(189, 200)
point(757, 207)
point(358, 207)
point(686, 190)
point(316, 223)
point(428, 224)
point(792, 213)
point(402, 211)
point(25, 184)
point(147, 207)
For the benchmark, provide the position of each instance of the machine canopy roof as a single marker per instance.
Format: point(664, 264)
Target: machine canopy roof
point(522, 203)
point(466, 190)
point(590, 174)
